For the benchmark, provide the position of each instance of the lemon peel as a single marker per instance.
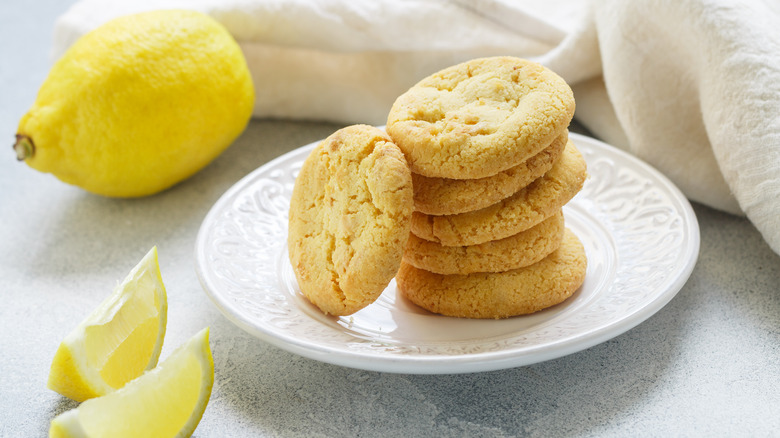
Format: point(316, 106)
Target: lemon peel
point(168, 401)
point(118, 341)
point(139, 104)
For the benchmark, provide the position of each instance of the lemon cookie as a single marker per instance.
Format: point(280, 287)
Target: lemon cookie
point(499, 295)
point(522, 249)
point(440, 196)
point(350, 211)
point(526, 208)
point(480, 117)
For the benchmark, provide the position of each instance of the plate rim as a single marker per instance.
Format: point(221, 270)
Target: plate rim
point(466, 362)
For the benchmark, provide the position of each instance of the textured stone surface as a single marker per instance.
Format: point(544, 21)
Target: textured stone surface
point(705, 365)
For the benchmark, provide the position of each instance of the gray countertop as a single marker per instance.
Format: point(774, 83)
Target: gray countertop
point(707, 364)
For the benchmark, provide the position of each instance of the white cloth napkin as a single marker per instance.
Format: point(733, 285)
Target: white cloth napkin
point(691, 87)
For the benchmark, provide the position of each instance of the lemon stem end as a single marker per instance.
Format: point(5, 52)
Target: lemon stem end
point(24, 147)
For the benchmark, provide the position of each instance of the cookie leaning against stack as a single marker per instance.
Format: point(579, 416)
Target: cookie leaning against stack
point(350, 214)
point(492, 165)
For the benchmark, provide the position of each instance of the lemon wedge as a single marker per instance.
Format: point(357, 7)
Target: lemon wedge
point(118, 341)
point(167, 401)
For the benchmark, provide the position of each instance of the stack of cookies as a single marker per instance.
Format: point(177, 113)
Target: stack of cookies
point(460, 199)
point(492, 167)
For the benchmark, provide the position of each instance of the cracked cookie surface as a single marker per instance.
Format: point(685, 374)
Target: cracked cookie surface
point(480, 117)
point(349, 219)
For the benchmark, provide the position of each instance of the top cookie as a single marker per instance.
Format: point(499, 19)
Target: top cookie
point(350, 214)
point(480, 117)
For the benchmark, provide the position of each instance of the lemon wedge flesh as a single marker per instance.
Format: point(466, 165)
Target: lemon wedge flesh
point(118, 341)
point(167, 401)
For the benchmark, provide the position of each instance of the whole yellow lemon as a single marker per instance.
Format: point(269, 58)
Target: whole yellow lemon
point(139, 104)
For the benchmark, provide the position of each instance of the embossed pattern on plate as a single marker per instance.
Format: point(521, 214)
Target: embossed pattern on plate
point(640, 235)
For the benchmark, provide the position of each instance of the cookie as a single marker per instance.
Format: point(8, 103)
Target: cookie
point(499, 295)
point(522, 249)
point(440, 196)
point(349, 220)
point(526, 208)
point(480, 117)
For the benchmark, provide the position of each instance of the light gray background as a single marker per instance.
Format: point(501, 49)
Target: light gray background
point(705, 365)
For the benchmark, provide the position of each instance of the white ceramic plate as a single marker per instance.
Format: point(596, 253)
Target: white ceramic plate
point(640, 235)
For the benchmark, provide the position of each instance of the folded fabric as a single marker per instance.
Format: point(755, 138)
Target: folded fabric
point(691, 87)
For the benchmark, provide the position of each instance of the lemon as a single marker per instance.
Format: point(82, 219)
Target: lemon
point(118, 341)
point(139, 104)
point(167, 401)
